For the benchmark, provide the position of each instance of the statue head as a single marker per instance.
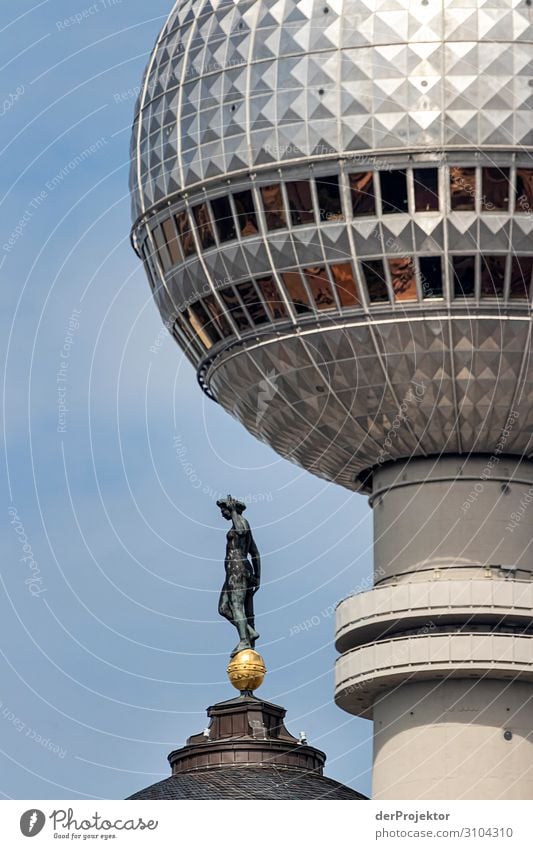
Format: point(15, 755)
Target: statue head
point(228, 505)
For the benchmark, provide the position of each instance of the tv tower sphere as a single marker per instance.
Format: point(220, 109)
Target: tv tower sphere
point(333, 201)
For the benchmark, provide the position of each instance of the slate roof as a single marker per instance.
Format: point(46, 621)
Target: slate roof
point(248, 782)
point(246, 753)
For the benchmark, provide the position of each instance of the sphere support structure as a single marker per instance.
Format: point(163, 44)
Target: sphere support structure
point(440, 652)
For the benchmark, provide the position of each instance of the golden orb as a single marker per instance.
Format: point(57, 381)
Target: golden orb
point(247, 670)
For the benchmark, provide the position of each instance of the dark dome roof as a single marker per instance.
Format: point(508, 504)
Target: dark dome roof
point(247, 753)
point(248, 782)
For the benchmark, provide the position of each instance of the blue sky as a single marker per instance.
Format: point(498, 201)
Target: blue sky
point(112, 546)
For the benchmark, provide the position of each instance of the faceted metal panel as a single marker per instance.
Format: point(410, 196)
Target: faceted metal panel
point(241, 95)
point(232, 85)
point(409, 388)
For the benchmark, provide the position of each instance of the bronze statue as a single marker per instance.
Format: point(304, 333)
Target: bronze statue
point(243, 577)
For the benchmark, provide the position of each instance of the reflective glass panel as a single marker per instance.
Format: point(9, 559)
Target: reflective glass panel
point(524, 190)
point(194, 346)
point(272, 298)
point(319, 286)
point(223, 218)
point(148, 263)
point(185, 328)
point(464, 276)
point(202, 324)
point(162, 250)
point(237, 313)
point(252, 302)
point(217, 315)
point(431, 276)
point(492, 276)
point(376, 283)
point(204, 225)
point(426, 184)
point(393, 191)
point(329, 198)
point(171, 240)
point(185, 233)
point(362, 192)
point(300, 203)
point(521, 267)
point(244, 204)
point(495, 190)
point(345, 284)
point(463, 188)
point(403, 276)
point(296, 291)
point(273, 206)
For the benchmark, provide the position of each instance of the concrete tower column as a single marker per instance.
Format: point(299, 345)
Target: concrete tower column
point(440, 652)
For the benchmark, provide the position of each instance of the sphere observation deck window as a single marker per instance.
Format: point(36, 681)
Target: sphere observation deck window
point(464, 276)
point(329, 198)
point(244, 204)
point(521, 268)
point(252, 302)
point(296, 290)
point(376, 283)
point(217, 316)
point(185, 233)
point(185, 328)
point(362, 192)
point(204, 225)
point(161, 247)
point(271, 297)
point(345, 284)
point(403, 277)
point(235, 308)
point(300, 203)
point(171, 241)
point(492, 276)
point(223, 217)
point(426, 183)
point(431, 276)
point(524, 190)
point(393, 191)
point(495, 189)
point(463, 189)
point(192, 342)
point(319, 286)
point(148, 264)
point(273, 206)
point(202, 324)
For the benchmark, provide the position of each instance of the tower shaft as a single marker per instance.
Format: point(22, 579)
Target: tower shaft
point(440, 652)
